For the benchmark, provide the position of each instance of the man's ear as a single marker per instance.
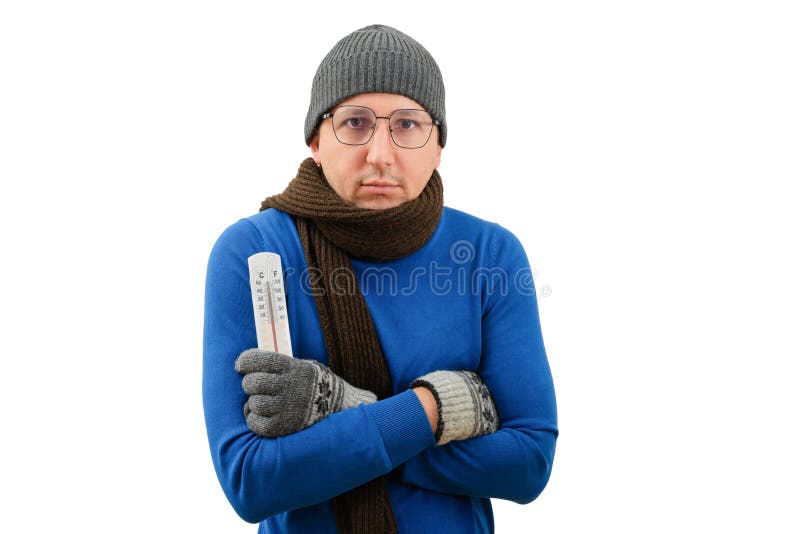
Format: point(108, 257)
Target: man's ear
point(314, 146)
point(438, 154)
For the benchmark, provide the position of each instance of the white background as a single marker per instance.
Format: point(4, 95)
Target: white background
point(646, 154)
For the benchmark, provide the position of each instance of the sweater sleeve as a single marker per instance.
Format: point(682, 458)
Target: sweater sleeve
point(264, 476)
point(514, 462)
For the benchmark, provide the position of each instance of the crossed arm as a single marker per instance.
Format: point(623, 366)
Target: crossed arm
point(288, 395)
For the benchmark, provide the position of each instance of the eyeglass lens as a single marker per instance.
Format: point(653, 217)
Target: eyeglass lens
point(354, 125)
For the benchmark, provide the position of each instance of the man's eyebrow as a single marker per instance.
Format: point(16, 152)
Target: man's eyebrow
point(407, 110)
point(353, 108)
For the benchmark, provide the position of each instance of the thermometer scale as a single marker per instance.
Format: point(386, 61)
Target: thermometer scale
point(269, 303)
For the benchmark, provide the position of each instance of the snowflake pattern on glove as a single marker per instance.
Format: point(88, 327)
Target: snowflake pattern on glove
point(322, 401)
point(489, 415)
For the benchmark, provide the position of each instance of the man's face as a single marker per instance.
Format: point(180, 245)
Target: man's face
point(380, 174)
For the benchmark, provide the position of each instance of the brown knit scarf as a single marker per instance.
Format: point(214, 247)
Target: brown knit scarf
point(331, 232)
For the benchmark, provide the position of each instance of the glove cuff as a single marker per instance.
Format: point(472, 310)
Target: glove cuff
point(422, 382)
point(465, 406)
point(336, 394)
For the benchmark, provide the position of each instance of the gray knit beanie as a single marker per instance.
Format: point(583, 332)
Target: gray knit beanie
point(377, 59)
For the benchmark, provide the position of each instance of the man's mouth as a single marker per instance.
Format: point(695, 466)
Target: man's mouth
point(379, 183)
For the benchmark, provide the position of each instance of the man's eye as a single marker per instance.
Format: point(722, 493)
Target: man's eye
point(405, 124)
point(355, 122)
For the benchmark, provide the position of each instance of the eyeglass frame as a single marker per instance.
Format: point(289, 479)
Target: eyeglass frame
point(329, 115)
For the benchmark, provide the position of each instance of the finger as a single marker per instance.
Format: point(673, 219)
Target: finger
point(263, 405)
point(256, 360)
point(263, 426)
point(262, 383)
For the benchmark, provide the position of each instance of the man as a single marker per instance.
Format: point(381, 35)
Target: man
point(420, 386)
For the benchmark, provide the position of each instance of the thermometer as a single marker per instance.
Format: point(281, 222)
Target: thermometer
point(269, 303)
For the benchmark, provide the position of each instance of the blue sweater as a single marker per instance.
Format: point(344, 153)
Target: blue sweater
point(463, 301)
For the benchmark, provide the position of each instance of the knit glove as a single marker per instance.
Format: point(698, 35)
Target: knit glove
point(289, 394)
point(466, 409)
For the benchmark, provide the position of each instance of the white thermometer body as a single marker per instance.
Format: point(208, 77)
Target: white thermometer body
point(269, 303)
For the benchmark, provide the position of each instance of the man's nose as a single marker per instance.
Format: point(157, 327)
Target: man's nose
point(381, 146)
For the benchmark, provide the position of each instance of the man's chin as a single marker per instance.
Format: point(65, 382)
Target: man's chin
point(379, 202)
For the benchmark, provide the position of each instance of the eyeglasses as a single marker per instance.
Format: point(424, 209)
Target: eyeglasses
point(355, 125)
